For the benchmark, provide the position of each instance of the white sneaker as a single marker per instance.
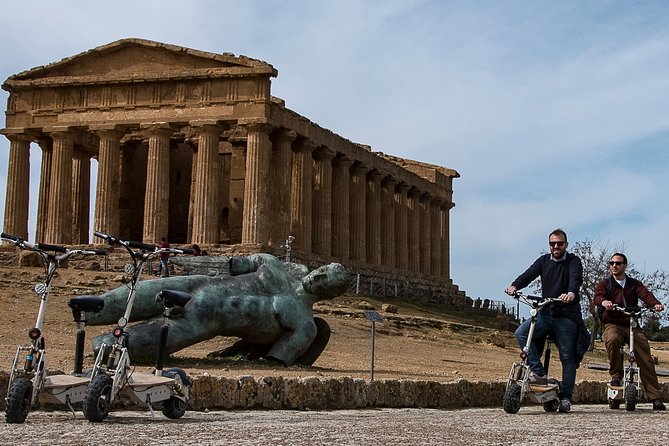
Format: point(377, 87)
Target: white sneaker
point(538, 379)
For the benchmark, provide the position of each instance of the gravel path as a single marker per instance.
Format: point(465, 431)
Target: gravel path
point(586, 425)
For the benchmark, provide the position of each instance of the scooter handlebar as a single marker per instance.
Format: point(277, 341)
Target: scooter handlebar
point(48, 247)
point(632, 311)
point(142, 246)
point(10, 237)
point(534, 300)
point(94, 252)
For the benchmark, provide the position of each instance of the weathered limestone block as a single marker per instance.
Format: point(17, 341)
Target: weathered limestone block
point(360, 391)
point(248, 392)
point(294, 394)
point(211, 391)
point(389, 308)
point(392, 395)
point(30, 259)
point(496, 339)
point(271, 392)
point(333, 390)
point(414, 393)
point(314, 393)
point(375, 394)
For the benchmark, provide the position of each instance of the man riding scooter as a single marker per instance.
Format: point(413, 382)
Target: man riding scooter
point(624, 291)
point(561, 278)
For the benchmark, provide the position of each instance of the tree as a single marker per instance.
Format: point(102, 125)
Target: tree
point(595, 258)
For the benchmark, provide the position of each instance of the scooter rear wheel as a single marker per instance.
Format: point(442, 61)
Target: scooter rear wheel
point(174, 407)
point(551, 406)
point(97, 402)
point(19, 401)
point(511, 401)
point(614, 404)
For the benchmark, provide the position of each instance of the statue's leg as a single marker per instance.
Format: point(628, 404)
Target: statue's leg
point(293, 343)
point(143, 337)
point(144, 305)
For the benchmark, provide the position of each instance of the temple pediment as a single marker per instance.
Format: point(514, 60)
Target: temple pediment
point(138, 59)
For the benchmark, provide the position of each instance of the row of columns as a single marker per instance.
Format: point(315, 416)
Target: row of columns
point(331, 204)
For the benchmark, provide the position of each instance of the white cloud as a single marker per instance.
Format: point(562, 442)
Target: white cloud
point(543, 107)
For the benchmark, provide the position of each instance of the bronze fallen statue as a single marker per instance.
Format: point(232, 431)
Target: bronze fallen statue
point(265, 302)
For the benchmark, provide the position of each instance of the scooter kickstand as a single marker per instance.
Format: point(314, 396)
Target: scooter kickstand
point(69, 404)
point(148, 403)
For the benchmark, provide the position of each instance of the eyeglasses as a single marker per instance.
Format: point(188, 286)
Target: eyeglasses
point(616, 263)
point(557, 243)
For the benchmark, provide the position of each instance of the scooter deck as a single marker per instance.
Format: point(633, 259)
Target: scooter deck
point(58, 381)
point(147, 379)
point(537, 388)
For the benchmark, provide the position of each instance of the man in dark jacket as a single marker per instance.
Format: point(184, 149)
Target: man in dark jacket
point(625, 291)
point(561, 277)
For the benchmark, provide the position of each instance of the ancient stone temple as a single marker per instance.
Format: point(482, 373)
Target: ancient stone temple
point(192, 146)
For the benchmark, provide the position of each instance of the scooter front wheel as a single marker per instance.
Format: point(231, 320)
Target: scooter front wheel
point(19, 399)
point(631, 397)
point(511, 401)
point(97, 402)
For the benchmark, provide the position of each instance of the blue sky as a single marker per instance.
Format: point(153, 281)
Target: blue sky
point(555, 113)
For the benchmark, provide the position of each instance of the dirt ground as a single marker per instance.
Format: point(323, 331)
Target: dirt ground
point(435, 343)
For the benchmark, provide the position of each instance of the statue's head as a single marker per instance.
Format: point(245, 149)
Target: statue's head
point(327, 281)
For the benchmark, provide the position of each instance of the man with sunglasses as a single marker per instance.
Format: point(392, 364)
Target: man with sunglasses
point(626, 291)
point(561, 277)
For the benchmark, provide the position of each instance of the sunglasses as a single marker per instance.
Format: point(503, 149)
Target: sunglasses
point(558, 243)
point(616, 263)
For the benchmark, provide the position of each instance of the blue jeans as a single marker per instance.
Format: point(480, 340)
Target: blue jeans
point(564, 332)
point(163, 266)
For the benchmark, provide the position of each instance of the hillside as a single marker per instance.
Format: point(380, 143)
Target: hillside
point(422, 343)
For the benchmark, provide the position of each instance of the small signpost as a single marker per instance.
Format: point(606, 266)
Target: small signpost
point(375, 317)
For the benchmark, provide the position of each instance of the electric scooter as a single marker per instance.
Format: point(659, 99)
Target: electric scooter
point(628, 391)
point(518, 384)
point(111, 371)
point(29, 381)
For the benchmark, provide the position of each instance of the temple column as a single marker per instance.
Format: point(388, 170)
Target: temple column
point(373, 217)
point(358, 227)
point(401, 227)
point(341, 189)
point(444, 213)
point(18, 185)
point(206, 202)
point(425, 233)
point(81, 186)
point(435, 244)
point(322, 201)
point(256, 188)
point(59, 210)
point(192, 143)
point(413, 229)
point(388, 231)
point(282, 159)
point(300, 195)
point(157, 196)
point(107, 195)
point(46, 145)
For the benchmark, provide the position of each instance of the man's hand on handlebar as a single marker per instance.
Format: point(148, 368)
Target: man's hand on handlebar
point(567, 297)
point(511, 290)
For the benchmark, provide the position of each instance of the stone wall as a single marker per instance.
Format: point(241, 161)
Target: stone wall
point(315, 393)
